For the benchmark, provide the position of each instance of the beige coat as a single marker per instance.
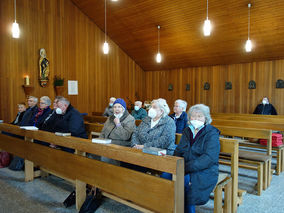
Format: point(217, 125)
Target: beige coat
point(120, 135)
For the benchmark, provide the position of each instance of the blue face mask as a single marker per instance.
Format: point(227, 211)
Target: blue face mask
point(136, 108)
point(111, 104)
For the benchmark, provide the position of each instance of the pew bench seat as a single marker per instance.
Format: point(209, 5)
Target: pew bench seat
point(251, 158)
point(279, 153)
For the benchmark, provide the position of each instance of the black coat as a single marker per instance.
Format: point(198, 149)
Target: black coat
point(71, 122)
point(28, 116)
point(201, 162)
point(21, 115)
point(265, 109)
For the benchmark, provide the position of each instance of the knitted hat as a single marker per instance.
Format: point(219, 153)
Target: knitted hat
point(120, 101)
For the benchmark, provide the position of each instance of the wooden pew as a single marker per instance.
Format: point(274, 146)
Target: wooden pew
point(97, 113)
point(145, 192)
point(95, 119)
point(93, 129)
point(251, 157)
point(259, 125)
point(249, 117)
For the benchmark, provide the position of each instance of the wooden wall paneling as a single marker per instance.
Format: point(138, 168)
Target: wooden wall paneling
point(74, 48)
point(238, 100)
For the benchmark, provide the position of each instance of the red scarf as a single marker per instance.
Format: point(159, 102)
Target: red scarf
point(40, 111)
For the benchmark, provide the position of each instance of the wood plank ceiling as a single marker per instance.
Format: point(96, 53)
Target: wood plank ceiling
point(132, 24)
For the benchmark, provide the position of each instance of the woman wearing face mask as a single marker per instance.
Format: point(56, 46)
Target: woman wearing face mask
point(120, 126)
point(265, 108)
point(157, 129)
point(180, 116)
point(200, 147)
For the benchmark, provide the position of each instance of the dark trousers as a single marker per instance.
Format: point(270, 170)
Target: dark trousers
point(187, 208)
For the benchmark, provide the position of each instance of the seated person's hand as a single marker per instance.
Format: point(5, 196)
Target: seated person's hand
point(116, 121)
point(138, 146)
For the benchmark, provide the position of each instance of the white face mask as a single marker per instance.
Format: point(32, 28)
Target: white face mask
point(152, 113)
point(265, 101)
point(58, 111)
point(118, 115)
point(196, 123)
point(136, 108)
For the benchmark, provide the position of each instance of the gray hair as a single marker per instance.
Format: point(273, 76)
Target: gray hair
point(205, 110)
point(138, 102)
point(162, 103)
point(64, 101)
point(34, 98)
point(182, 104)
point(112, 99)
point(46, 100)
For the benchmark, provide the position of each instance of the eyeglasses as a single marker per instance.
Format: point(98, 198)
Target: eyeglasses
point(42, 103)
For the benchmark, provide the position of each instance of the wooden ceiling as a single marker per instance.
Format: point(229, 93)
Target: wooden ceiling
point(132, 24)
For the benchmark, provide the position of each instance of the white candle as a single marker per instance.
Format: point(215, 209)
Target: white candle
point(27, 80)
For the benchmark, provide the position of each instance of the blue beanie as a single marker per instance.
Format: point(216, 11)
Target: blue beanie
point(120, 101)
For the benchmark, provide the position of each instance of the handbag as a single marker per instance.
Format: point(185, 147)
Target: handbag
point(92, 202)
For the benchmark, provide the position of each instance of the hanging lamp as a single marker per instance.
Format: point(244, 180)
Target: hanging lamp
point(105, 46)
point(15, 26)
point(248, 45)
point(207, 25)
point(158, 56)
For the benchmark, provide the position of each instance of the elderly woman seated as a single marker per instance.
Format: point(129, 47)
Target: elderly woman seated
point(118, 127)
point(42, 112)
point(200, 147)
point(180, 116)
point(156, 130)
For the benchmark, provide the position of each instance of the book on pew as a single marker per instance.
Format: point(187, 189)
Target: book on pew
point(29, 128)
point(63, 134)
point(101, 140)
point(154, 151)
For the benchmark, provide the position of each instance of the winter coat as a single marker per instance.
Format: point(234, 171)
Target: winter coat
point(40, 118)
point(70, 122)
point(181, 122)
point(108, 111)
point(265, 109)
point(20, 116)
point(120, 135)
point(201, 162)
point(161, 136)
point(28, 116)
point(140, 114)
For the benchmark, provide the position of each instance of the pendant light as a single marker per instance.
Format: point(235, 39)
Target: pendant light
point(207, 25)
point(158, 56)
point(105, 46)
point(15, 26)
point(248, 45)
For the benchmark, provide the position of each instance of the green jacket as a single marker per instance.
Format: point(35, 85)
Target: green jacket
point(140, 114)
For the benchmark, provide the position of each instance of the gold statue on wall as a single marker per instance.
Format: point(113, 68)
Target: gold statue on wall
point(43, 68)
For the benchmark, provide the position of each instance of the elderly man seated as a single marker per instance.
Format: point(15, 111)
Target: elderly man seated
point(30, 112)
point(109, 110)
point(139, 113)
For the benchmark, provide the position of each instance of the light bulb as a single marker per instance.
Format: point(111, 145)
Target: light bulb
point(114, 0)
point(15, 30)
point(158, 57)
point(106, 48)
point(248, 45)
point(207, 27)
